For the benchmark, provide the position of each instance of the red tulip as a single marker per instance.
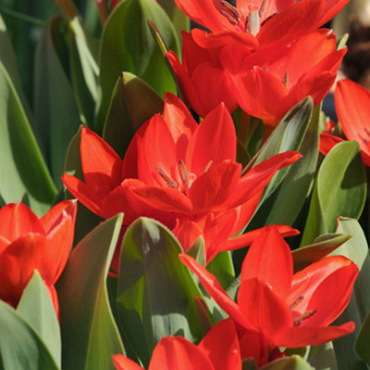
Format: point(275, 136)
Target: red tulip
point(219, 350)
point(180, 173)
point(290, 310)
point(28, 243)
point(202, 77)
point(265, 22)
point(352, 102)
point(271, 81)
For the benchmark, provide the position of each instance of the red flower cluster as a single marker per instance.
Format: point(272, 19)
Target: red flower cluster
point(265, 57)
point(180, 173)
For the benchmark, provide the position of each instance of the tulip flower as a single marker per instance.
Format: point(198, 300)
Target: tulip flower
point(271, 81)
point(290, 310)
point(263, 21)
point(202, 77)
point(28, 243)
point(352, 102)
point(178, 172)
point(219, 350)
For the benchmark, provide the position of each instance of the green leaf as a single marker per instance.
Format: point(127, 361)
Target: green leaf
point(340, 190)
point(285, 194)
point(305, 256)
point(357, 250)
point(20, 346)
point(55, 108)
point(83, 54)
point(8, 58)
point(127, 45)
point(323, 357)
point(222, 268)
point(133, 103)
point(37, 308)
point(288, 363)
point(89, 334)
point(155, 290)
point(22, 168)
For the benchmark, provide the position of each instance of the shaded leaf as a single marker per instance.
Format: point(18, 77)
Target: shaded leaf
point(37, 308)
point(340, 190)
point(22, 168)
point(155, 290)
point(89, 334)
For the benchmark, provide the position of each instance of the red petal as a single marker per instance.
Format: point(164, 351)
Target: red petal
point(352, 102)
point(327, 142)
point(84, 193)
point(65, 209)
point(101, 165)
point(18, 263)
point(262, 309)
point(221, 346)
point(124, 363)
point(269, 260)
point(214, 140)
point(165, 199)
point(213, 188)
point(16, 220)
point(178, 353)
point(249, 237)
point(258, 177)
point(214, 289)
point(301, 336)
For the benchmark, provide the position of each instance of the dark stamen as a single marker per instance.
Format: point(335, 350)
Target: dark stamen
point(170, 183)
point(268, 18)
point(262, 8)
point(234, 11)
point(285, 80)
point(299, 319)
point(296, 302)
point(183, 171)
point(232, 20)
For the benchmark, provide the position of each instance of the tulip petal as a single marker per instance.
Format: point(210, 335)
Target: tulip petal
point(214, 140)
point(102, 167)
point(213, 188)
point(124, 363)
point(16, 220)
point(262, 309)
point(178, 353)
point(214, 289)
point(327, 142)
point(301, 336)
point(221, 345)
point(270, 261)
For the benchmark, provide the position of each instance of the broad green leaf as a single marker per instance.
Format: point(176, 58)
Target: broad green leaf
point(323, 357)
point(222, 267)
point(83, 54)
point(85, 219)
point(56, 113)
point(128, 46)
point(304, 256)
point(284, 196)
point(155, 290)
point(133, 103)
point(89, 334)
point(340, 190)
point(22, 168)
point(37, 308)
point(20, 346)
point(357, 250)
point(180, 21)
point(288, 363)
point(9, 60)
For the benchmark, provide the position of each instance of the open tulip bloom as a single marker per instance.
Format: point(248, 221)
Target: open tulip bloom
point(178, 172)
point(189, 131)
point(291, 310)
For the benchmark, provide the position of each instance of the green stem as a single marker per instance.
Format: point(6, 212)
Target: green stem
point(22, 17)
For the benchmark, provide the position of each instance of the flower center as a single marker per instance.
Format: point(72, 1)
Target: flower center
point(186, 178)
point(230, 12)
point(297, 320)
